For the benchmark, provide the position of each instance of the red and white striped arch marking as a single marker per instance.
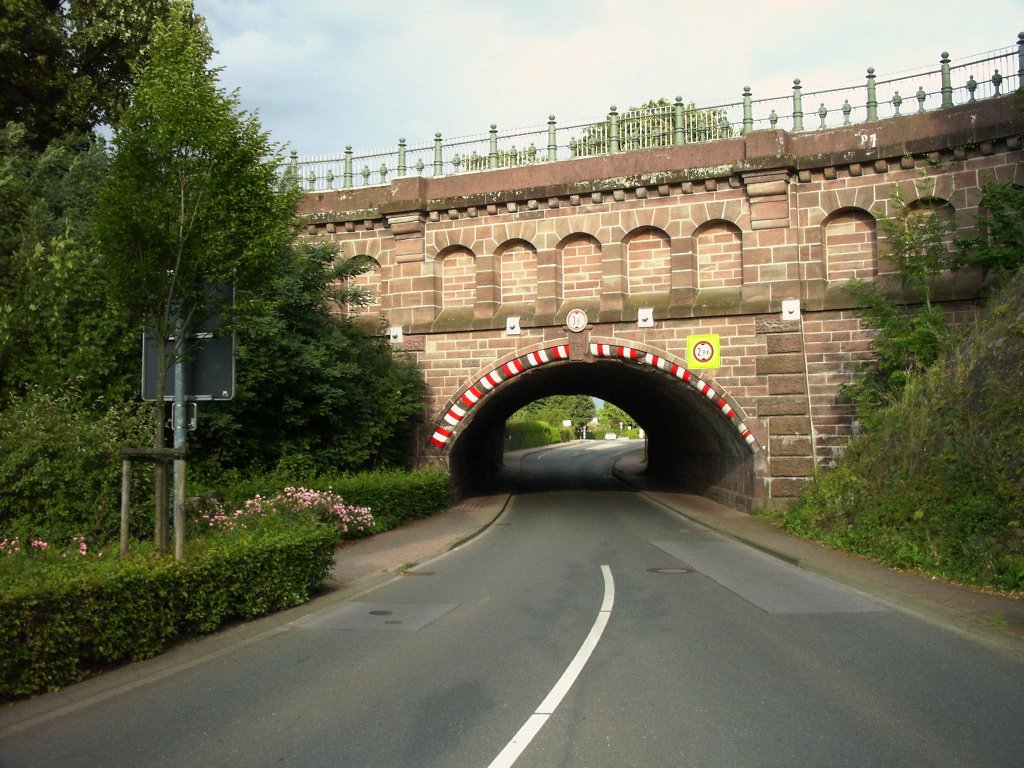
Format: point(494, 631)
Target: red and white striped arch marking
point(628, 353)
point(489, 381)
point(502, 373)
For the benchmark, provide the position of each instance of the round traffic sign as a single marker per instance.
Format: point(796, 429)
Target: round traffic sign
point(703, 351)
point(576, 320)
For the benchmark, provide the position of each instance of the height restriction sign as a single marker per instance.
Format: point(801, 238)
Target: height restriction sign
point(702, 351)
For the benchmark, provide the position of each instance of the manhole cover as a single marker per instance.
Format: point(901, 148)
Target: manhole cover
point(380, 613)
point(670, 570)
point(417, 573)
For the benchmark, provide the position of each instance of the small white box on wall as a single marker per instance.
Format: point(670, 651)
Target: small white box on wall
point(791, 309)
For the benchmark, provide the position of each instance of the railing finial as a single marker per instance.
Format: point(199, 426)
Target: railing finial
point(872, 97)
point(798, 107)
point(947, 81)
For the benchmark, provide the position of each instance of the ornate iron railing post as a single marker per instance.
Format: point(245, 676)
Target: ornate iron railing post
point(798, 108)
point(438, 160)
point(748, 111)
point(872, 96)
point(401, 157)
point(552, 139)
point(613, 130)
point(678, 137)
point(1020, 61)
point(947, 81)
point(347, 181)
point(492, 154)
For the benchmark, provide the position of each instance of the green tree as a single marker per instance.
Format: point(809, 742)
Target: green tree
point(192, 197)
point(554, 409)
point(67, 64)
point(314, 392)
point(58, 319)
point(653, 125)
point(614, 417)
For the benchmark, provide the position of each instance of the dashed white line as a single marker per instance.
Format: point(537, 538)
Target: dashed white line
point(532, 726)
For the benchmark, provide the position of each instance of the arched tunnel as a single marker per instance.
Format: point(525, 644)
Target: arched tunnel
point(691, 446)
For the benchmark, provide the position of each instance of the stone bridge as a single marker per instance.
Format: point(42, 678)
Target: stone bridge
point(593, 276)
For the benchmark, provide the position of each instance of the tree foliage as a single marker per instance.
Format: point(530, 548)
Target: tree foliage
point(554, 409)
point(192, 197)
point(58, 321)
point(653, 125)
point(910, 331)
point(67, 64)
point(315, 393)
point(996, 246)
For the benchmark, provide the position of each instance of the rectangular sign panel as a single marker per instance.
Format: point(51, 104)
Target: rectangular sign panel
point(209, 368)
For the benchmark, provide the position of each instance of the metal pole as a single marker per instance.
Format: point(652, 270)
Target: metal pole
point(180, 436)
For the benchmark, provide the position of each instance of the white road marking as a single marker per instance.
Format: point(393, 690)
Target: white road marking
point(532, 726)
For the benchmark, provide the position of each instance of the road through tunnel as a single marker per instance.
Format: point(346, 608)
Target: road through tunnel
point(694, 442)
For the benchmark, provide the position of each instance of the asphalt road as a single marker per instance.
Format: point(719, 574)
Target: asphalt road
point(587, 627)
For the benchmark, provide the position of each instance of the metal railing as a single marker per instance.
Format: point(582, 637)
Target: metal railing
point(657, 124)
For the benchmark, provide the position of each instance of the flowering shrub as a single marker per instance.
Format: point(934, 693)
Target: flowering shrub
point(12, 546)
point(326, 506)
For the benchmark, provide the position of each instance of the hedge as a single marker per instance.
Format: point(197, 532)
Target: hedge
point(63, 621)
point(393, 496)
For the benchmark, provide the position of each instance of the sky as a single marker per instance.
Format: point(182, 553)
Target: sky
point(323, 74)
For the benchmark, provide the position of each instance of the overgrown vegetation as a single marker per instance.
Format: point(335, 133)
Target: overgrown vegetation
point(100, 240)
point(936, 482)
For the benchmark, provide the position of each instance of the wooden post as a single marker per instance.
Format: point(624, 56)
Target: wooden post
point(163, 458)
point(126, 485)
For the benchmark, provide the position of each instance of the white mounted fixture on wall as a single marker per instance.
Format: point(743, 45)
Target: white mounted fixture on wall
point(791, 309)
point(512, 326)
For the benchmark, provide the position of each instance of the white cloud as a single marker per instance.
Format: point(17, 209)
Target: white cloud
point(323, 73)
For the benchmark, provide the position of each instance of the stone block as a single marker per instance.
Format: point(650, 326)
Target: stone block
point(789, 446)
point(784, 342)
point(789, 405)
point(790, 425)
point(771, 364)
point(786, 487)
point(791, 466)
point(786, 385)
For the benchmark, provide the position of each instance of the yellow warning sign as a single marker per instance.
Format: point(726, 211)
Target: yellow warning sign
point(702, 351)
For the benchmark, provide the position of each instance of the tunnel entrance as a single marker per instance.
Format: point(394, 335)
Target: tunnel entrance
point(695, 440)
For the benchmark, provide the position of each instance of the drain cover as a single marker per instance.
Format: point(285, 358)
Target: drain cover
point(376, 616)
point(670, 570)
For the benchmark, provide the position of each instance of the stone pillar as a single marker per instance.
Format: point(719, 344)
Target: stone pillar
point(407, 230)
point(786, 409)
